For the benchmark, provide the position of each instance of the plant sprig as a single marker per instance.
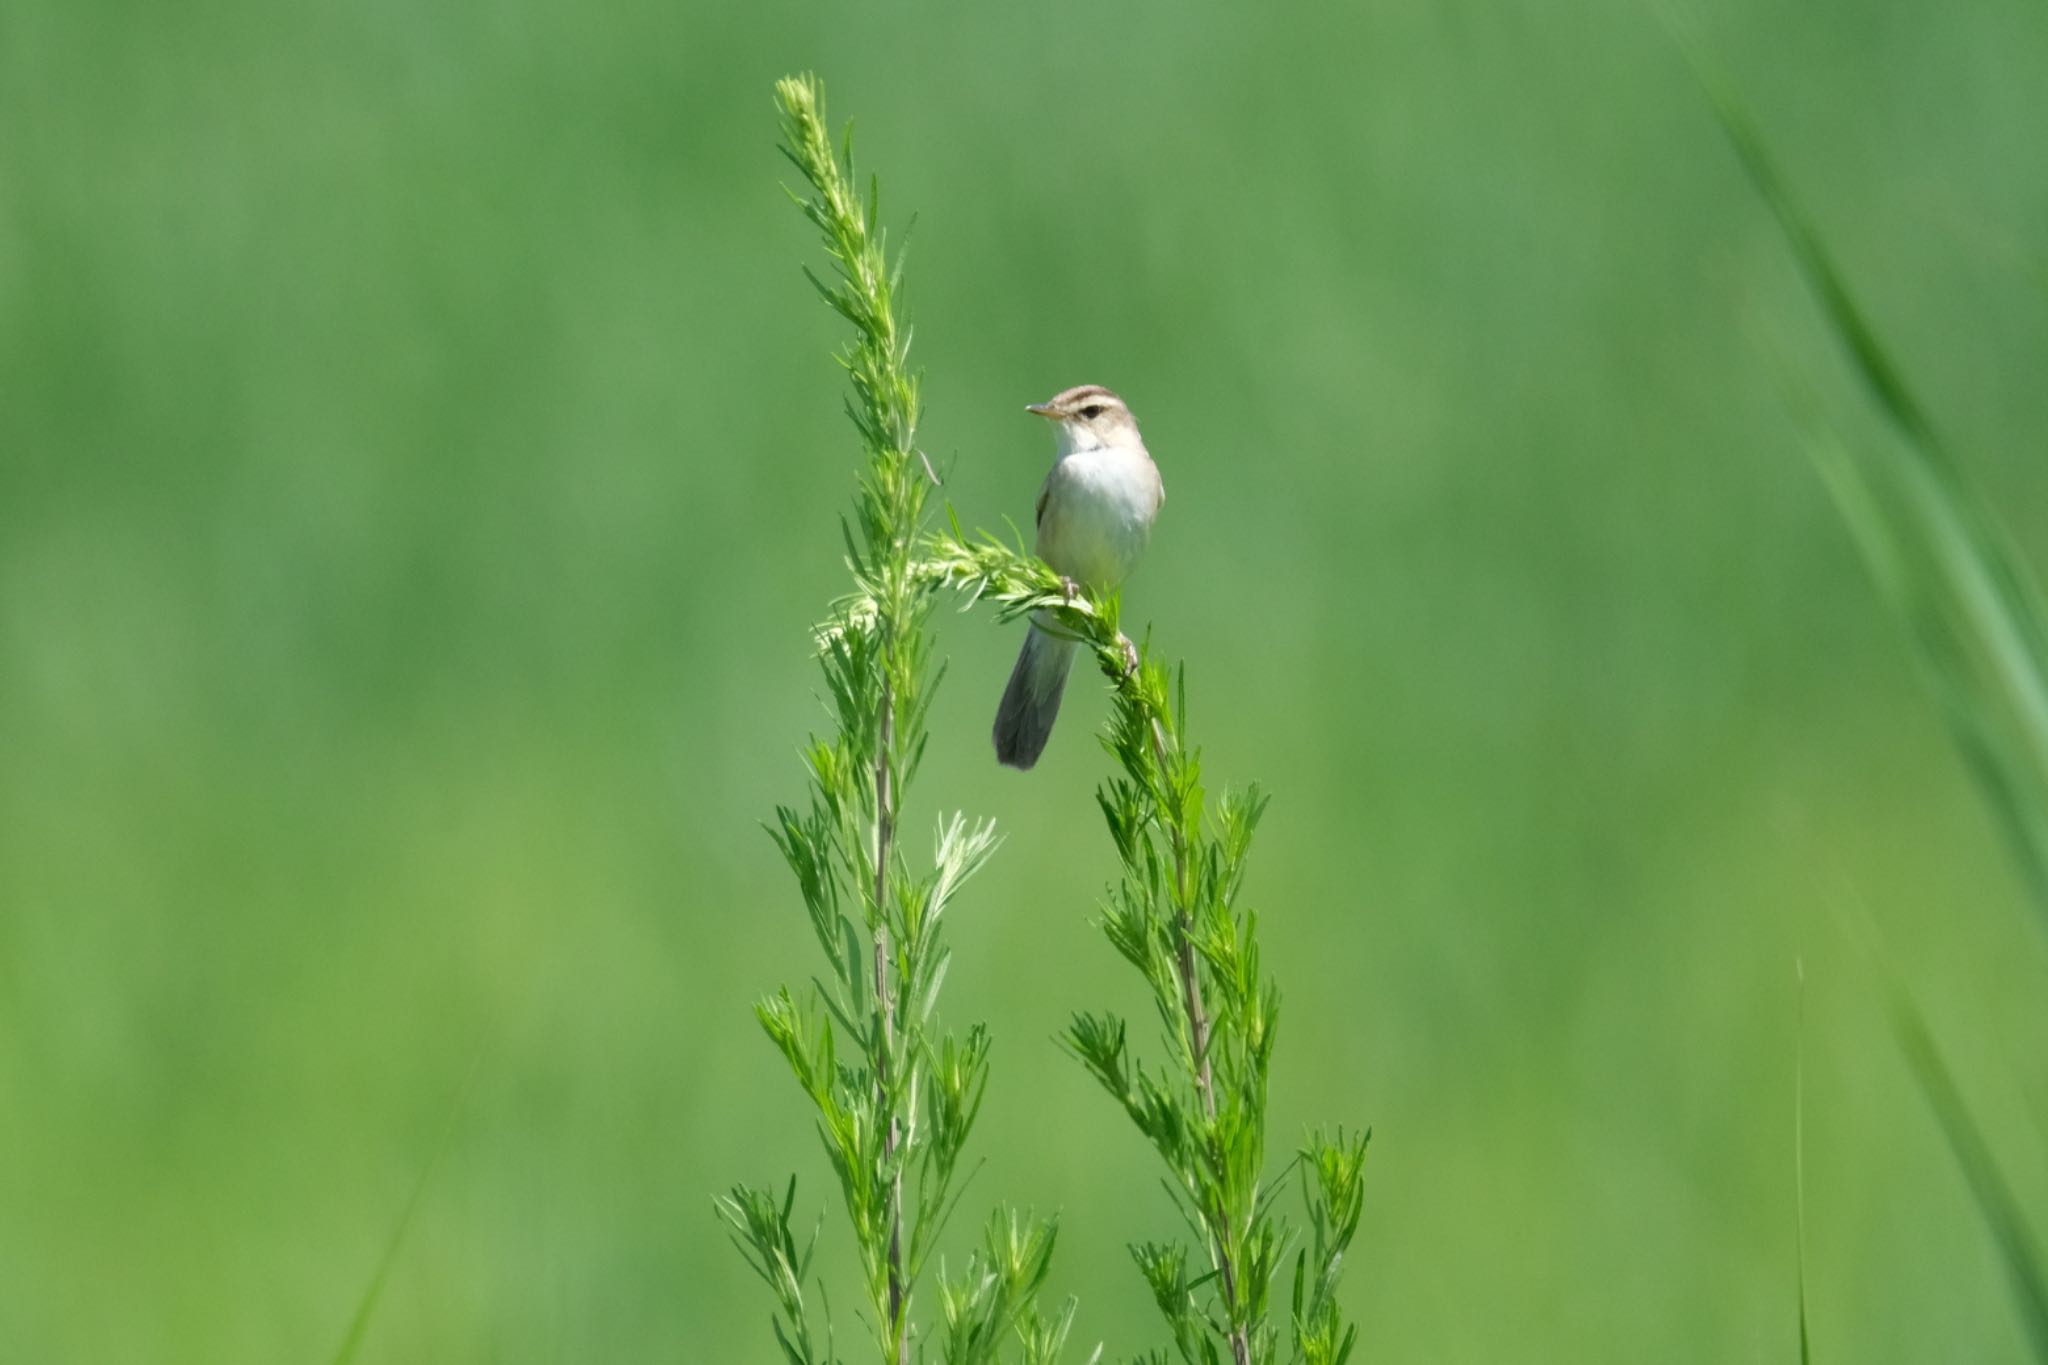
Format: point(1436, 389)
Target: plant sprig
point(1176, 914)
point(896, 1095)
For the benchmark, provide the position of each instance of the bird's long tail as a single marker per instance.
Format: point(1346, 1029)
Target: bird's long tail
point(1031, 703)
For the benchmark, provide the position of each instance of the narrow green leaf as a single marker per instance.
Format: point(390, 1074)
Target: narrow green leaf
point(1996, 1202)
point(366, 1305)
point(1799, 1157)
point(1943, 561)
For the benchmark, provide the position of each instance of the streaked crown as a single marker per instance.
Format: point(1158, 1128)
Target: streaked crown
point(1090, 416)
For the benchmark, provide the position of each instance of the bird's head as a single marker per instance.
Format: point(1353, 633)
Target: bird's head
point(1089, 418)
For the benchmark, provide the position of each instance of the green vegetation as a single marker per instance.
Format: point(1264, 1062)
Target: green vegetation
point(414, 453)
point(895, 1116)
point(906, 1108)
point(1941, 560)
point(1943, 565)
point(1175, 915)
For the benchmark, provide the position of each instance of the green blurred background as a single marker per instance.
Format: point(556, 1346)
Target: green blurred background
point(419, 464)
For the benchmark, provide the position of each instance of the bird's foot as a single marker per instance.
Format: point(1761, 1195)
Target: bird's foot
point(1070, 588)
point(1130, 654)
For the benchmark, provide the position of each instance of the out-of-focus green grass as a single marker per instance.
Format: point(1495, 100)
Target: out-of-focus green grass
point(418, 464)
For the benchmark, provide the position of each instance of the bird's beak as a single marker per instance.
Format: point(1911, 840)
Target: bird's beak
point(1043, 409)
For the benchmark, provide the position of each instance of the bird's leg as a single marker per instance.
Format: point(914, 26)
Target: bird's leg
point(1070, 588)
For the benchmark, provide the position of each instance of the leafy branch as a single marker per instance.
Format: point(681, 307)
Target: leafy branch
point(1176, 914)
point(896, 1095)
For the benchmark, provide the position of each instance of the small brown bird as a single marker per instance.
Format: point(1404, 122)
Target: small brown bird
point(1094, 519)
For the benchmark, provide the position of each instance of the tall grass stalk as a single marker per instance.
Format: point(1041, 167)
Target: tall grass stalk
point(896, 1094)
point(1946, 568)
point(1799, 1159)
point(373, 1292)
point(1943, 563)
point(1995, 1197)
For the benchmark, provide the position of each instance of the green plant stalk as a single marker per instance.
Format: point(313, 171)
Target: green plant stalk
point(1176, 916)
point(896, 1104)
point(1799, 1158)
point(887, 416)
point(1945, 568)
point(1940, 556)
point(1218, 1221)
point(2026, 1274)
point(366, 1305)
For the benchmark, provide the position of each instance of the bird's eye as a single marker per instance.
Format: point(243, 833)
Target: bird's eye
point(1093, 411)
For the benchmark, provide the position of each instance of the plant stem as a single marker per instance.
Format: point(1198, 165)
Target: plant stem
point(885, 999)
point(1184, 945)
point(1198, 1036)
point(896, 1110)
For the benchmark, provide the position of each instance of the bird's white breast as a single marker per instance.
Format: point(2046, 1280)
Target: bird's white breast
point(1099, 508)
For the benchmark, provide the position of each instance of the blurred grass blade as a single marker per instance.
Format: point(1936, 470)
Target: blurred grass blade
point(1995, 1198)
point(1943, 566)
point(1799, 1156)
point(366, 1306)
point(2015, 789)
point(1939, 557)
